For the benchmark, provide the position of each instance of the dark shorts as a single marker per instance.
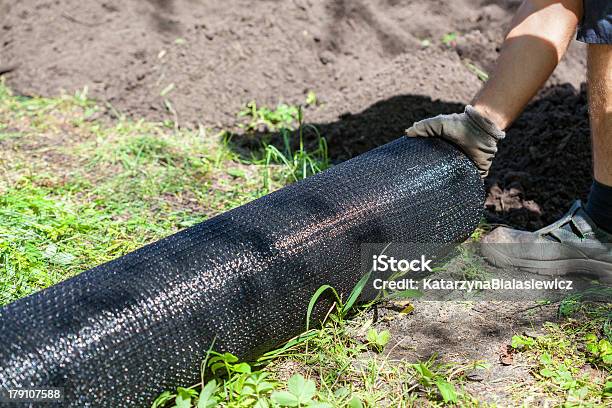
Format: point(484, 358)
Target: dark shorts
point(596, 24)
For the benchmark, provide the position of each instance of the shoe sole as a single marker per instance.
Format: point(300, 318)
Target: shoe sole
point(600, 270)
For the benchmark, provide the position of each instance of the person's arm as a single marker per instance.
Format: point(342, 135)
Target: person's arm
point(538, 38)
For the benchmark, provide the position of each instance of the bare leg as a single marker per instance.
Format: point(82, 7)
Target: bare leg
point(599, 63)
point(538, 39)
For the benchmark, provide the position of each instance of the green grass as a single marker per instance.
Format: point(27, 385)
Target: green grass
point(76, 192)
point(295, 163)
point(572, 361)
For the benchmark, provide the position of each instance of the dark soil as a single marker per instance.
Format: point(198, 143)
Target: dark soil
point(365, 60)
point(545, 162)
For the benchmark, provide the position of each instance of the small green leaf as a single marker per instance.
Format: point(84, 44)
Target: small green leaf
point(237, 173)
point(448, 39)
point(341, 392)
point(54, 256)
point(303, 389)
point(546, 359)
point(230, 358)
point(356, 292)
point(309, 391)
point(242, 368)
point(296, 383)
point(50, 251)
point(206, 399)
point(285, 399)
point(355, 403)
point(372, 335)
point(261, 403)
point(546, 372)
point(384, 337)
point(378, 340)
point(605, 348)
point(63, 258)
point(608, 388)
point(579, 393)
point(424, 372)
point(161, 400)
point(311, 98)
point(447, 390)
point(592, 348)
point(520, 342)
point(183, 399)
point(264, 387)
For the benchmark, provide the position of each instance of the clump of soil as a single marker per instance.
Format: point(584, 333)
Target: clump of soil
point(377, 66)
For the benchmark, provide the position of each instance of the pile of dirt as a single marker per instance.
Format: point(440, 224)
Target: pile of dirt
point(376, 66)
point(544, 164)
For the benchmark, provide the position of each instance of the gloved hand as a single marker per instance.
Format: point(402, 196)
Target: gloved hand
point(476, 135)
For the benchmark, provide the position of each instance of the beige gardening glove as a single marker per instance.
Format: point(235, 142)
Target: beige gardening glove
point(476, 135)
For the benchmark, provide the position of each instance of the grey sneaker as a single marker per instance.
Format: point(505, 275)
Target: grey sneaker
point(574, 244)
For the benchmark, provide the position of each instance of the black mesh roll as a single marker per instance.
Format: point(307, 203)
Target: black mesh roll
point(120, 333)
